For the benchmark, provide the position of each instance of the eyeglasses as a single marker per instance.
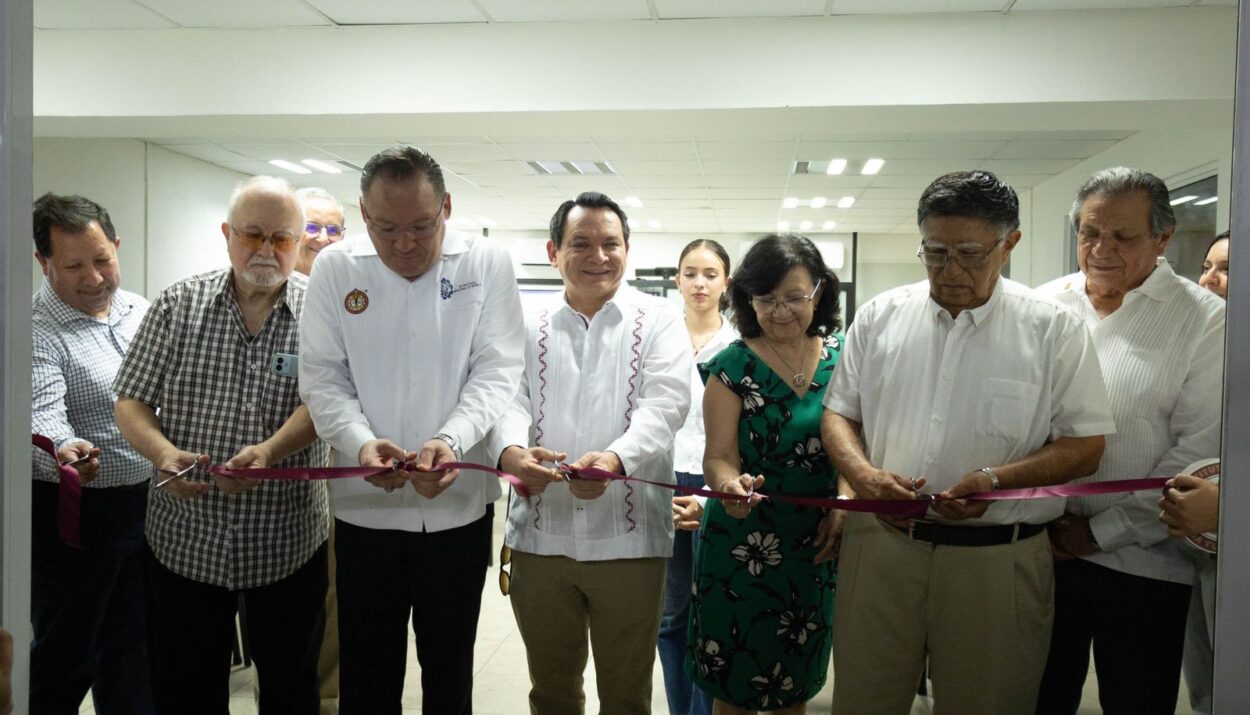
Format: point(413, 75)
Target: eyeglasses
point(505, 577)
point(312, 228)
point(255, 239)
point(392, 233)
point(792, 305)
point(966, 257)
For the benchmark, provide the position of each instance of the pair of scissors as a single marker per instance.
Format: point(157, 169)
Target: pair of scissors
point(176, 475)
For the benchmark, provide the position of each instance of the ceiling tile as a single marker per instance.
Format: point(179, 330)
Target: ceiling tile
point(648, 151)
point(630, 169)
point(95, 15)
point(753, 167)
point(883, 7)
point(1029, 5)
point(206, 152)
point(237, 13)
point(554, 151)
point(564, 10)
point(733, 151)
point(673, 9)
point(1053, 149)
point(398, 12)
point(507, 167)
point(1029, 166)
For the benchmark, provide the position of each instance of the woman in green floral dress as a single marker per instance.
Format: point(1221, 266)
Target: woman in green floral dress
point(762, 610)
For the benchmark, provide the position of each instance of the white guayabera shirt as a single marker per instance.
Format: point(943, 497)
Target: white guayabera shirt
point(618, 382)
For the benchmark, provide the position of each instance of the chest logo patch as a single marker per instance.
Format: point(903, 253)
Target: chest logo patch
point(356, 302)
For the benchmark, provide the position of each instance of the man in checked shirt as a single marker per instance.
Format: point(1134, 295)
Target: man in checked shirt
point(211, 376)
point(86, 604)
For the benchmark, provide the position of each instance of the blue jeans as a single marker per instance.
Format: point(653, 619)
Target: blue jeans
point(684, 697)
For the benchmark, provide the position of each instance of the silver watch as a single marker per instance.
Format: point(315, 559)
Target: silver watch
point(453, 443)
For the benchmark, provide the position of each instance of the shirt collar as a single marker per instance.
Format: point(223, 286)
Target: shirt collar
point(625, 296)
point(977, 315)
point(119, 307)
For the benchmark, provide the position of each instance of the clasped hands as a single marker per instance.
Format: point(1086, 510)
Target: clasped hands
point(529, 464)
point(423, 474)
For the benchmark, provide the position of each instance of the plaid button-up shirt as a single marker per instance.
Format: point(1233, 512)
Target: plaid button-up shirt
point(74, 359)
point(216, 391)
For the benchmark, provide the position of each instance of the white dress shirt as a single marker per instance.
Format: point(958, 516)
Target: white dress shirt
point(690, 440)
point(1162, 355)
point(939, 398)
point(440, 354)
point(617, 382)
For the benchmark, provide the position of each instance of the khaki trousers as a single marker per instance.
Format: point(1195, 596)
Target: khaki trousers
point(981, 615)
point(557, 599)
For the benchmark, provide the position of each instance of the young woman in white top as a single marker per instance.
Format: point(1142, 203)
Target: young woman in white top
point(702, 277)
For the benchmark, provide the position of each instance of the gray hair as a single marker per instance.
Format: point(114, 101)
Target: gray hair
point(1123, 181)
point(262, 184)
point(316, 192)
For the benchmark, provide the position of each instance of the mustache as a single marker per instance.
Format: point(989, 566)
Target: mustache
point(263, 263)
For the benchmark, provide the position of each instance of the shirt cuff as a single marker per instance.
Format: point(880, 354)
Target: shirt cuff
point(352, 438)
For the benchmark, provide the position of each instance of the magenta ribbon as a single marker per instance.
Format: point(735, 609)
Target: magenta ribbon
point(304, 474)
point(912, 509)
point(68, 494)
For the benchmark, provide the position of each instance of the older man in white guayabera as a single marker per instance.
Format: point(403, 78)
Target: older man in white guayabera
point(1120, 582)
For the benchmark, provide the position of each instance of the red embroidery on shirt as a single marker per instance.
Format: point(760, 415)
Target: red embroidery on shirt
point(634, 363)
point(544, 334)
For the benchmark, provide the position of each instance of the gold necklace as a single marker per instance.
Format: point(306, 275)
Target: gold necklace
point(799, 378)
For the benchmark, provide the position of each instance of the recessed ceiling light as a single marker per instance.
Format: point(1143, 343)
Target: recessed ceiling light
point(819, 202)
point(836, 166)
point(1183, 199)
point(789, 202)
point(805, 226)
point(846, 202)
point(633, 201)
point(783, 226)
point(322, 166)
point(872, 166)
point(1208, 200)
point(829, 225)
point(290, 166)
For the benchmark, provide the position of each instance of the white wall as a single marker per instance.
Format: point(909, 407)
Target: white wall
point(187, 203)
point(111, 172)
point(1177, 157)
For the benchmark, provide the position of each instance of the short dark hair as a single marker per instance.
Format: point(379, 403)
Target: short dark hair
point(1126, 181)
point(974, 194)
point(587, 200)
point(71, 214)
point(765, 265)
point(401, 163)
point(719, 251)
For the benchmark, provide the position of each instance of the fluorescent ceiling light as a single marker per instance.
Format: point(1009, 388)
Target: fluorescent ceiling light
point(836, 166)
point(828, 225)
point(846, 202)
point(290, 166)
point(653, 224)
point(783, 226)
point(1208, 200)
point(322, 166)
point(789, 202)
point(819, 202)
point(1183, 199)
point(633, 201)
point(872, 166)
point(805, 226)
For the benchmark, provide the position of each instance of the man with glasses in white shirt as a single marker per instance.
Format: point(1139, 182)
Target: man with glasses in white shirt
point(961, 384)
point(607, 385)
point(1120, 582)
point(411, 348)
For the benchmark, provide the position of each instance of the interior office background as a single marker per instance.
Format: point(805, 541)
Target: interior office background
point(717, 115)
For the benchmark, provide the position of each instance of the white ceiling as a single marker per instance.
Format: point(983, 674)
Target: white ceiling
point(144, 14)
point(687, 186)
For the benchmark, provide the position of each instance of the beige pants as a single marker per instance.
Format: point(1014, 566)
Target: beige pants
point(980, 614)
point(556, 599)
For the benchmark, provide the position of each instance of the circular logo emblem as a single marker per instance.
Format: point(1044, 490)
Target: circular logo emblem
point(356, 302)
point(445, 289)
point(1208, 469)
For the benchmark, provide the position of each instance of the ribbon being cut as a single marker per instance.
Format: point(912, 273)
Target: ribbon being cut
point(70, 493)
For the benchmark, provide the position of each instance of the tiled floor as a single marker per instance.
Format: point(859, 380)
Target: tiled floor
point(502, 682)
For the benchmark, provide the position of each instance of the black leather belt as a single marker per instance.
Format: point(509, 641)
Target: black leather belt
point(947, 535)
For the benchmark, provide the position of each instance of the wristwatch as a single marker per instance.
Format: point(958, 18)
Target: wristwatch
point(453, 443)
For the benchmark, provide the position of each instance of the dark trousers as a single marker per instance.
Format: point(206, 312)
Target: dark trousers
point(386, 577)
point(87, 605)
point(1137, 626)
point(191, 629)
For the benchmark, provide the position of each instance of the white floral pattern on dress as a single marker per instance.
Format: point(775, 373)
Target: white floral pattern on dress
point(760, 550)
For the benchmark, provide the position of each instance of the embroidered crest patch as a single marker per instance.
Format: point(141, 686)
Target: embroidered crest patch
point(356, 302)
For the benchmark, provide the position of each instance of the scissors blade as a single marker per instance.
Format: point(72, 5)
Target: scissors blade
point(175, 475)
point(80, 460)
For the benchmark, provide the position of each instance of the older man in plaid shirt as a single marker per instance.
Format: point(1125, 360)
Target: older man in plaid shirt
point(211, 376)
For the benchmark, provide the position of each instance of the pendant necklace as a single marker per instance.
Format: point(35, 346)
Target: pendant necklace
point(799, 379)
